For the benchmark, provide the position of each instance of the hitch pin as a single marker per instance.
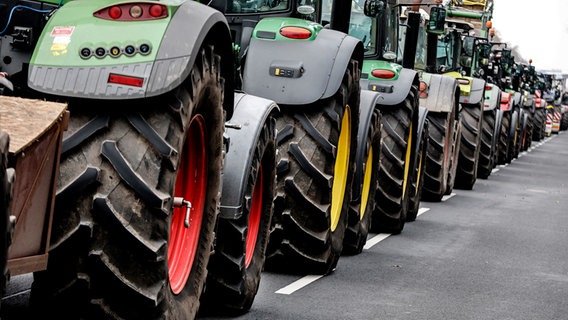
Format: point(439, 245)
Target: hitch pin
point(181, 202)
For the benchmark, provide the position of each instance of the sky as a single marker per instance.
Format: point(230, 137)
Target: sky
point(539, 28)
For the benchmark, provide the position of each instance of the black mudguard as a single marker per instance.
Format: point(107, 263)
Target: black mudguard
point(251, 113)
point(314, 69)
point(367, 104)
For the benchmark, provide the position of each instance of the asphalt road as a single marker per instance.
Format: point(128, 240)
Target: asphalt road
point(498, 251)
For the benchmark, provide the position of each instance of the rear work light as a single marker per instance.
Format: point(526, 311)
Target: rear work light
point(135, 11)
point(125, 80)
point(295, 33)
point(383, 74)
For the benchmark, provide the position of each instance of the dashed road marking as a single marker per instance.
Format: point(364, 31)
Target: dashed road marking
point(376, 239)
point(446, 197)
point(298, 284)
point(421, 211)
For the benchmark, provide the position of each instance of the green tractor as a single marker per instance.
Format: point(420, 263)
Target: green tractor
point(328, 129)
point(155, 189)
point(404, 125)
point(426, 49)
point(498, 71)
point(492, 114)
point(523, 81)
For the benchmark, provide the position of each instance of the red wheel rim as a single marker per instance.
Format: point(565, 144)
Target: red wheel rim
point(254, 217)
point(191, 184)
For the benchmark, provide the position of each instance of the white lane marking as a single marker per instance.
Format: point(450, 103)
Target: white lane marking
point(446, 197)
point(376, 239)
point(421, 211)
point(494, 170)
point(302, 282)
point(298, 284)
point(503, 165)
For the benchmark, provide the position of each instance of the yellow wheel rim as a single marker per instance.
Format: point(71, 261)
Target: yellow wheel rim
point(419, 169)
point(407, 162)
point(366, 183)
point(341, 169)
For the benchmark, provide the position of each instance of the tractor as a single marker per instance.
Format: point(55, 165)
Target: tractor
point(404, 122)
point(438, 93)
point(166, 171)
point(498, 72)
point(329, 136)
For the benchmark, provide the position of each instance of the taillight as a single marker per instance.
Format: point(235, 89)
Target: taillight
point(383, 74)
point(125, 80)
point(488, 88)
point(463, 81)
point(295, 33)
point(115, 12)
point(135, 12)
point(157, 10)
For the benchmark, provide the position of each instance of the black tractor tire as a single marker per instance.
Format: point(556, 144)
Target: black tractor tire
point(441, 131)
point(505, 142)
point(6, 190)
point(527, 131)
point(472, 121)
point(308, 225)
point(455, 154)
point(539, 124)
point(399, 125)
point(486, 161)
point(361, 208)
point(516, 132)
point(240, 246)
point(418, 176)
point(564, 122)
point(115, 229)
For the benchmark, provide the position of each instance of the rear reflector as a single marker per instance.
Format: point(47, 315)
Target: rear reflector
point(125, 80)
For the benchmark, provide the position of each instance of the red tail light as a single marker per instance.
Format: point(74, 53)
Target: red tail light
point(125, 80)
point(383, 74)
point(488, 88)
point(157, 10)
point(295, 33)
point(114, 12)
point(135, 11)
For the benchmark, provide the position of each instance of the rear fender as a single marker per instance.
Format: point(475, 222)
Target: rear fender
point(298, 72)
point(506, 101)
point(251, 113)
point(441, 93)
point(422, 115)
point(392, 91)
point(58, 68)
point(367, 104)
point(497, 128)
point(492, 97)
point(476, 92)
